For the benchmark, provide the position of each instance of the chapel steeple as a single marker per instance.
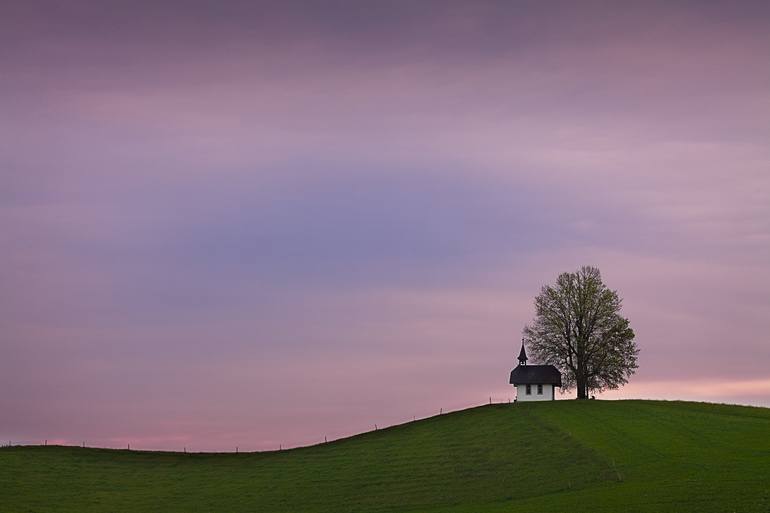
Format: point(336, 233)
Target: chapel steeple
point(522, 354)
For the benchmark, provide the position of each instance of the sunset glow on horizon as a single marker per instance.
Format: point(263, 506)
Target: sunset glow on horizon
point(248, 224)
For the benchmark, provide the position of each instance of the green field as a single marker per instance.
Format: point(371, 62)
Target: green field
point(563, 456)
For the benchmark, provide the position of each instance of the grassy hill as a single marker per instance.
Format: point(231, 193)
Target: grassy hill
point(563, 456)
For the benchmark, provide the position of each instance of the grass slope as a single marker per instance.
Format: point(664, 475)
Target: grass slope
point(645, 456)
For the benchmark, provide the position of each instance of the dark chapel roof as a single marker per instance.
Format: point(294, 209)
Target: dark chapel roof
point(535, 374)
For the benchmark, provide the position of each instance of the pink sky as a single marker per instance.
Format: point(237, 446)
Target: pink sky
point(256, 224)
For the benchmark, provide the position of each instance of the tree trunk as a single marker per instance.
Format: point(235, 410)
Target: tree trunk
point(581, 391)
point(582, 383)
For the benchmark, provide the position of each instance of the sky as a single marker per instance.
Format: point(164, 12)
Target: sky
point(261, 224)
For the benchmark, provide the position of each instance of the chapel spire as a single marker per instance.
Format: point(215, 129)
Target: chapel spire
point(522, 354)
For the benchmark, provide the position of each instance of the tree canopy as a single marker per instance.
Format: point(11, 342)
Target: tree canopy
point(578, 328)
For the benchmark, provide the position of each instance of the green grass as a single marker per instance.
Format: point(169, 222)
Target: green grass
point(563, 456)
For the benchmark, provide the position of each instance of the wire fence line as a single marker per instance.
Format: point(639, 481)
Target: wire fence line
point(4, 444)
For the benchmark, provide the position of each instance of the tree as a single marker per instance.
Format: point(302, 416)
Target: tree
point(578, 328)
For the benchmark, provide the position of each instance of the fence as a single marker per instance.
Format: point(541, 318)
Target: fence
point(281, 446)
